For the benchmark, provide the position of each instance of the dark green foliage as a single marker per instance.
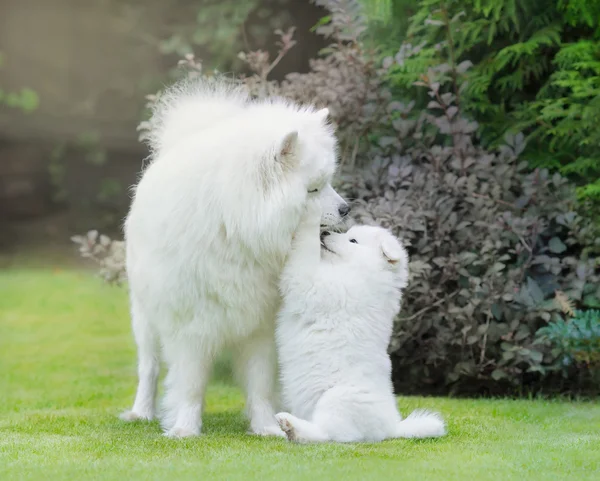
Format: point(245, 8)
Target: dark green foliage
point(534, 70)
point(490, 243)
point(505, 40)
point(581, 12)
point(577, 340)
point(566, 116)
point(388, 22)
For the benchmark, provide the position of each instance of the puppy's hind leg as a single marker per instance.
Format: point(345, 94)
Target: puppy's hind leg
point(300, 431)
point(148, 367)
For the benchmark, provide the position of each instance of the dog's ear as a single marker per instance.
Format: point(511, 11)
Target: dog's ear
point(322, 115)
point(287, 151)
point(392, 250)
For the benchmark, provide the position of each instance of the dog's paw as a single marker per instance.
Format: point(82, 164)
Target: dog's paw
point(286, 426)
point(268, 431)
point(131, 416)
point(179, 433)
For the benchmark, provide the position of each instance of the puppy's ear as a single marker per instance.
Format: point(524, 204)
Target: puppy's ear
point(392, 250)
point(322, 114)
point(287, 151)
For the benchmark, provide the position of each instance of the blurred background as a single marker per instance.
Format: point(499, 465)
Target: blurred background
point(470, 128)
point(73, 81)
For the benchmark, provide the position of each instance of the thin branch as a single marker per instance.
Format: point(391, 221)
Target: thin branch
point(425, 309)
point(527, 263)
point(498, 201)
point(484, 342)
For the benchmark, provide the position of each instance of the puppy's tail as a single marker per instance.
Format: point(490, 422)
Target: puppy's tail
point(421, 424)
point(191, 106)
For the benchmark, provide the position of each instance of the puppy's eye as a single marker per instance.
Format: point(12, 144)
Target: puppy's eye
point(354, 241)
point(314, 191)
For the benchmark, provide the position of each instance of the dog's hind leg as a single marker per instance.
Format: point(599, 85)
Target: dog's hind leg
point(255, 365)
point(148, 367)
point(189, 361)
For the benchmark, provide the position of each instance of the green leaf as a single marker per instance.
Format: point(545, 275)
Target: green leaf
point(556, 245)
point(591, 301)
point(497, 267)
point(535, 291)
point(508, 355)
point(322, 21)
point(497, 311)
point(536, 356)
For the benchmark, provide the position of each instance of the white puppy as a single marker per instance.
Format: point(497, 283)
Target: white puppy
point(340, 295)
point(207, 235)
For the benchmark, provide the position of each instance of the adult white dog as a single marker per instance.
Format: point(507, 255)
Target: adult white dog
point(207, 235)
point(340, 296)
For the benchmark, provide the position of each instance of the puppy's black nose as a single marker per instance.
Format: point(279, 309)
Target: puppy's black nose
point(343, 210)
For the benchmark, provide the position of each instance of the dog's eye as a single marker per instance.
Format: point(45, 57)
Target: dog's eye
point(314, 191)
point(354, 241)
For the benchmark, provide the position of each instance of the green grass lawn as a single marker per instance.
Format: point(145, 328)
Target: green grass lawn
point(67, 368)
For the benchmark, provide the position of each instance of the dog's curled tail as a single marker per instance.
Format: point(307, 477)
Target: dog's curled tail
point(421, 424)
point(191, 106)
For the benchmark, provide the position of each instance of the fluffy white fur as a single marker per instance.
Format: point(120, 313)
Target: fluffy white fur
point(340, 296)
point(209, 229)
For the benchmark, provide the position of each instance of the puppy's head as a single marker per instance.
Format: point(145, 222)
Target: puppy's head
point(368, 247)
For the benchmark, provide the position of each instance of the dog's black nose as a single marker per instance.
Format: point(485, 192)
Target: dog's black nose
point(343, 210)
